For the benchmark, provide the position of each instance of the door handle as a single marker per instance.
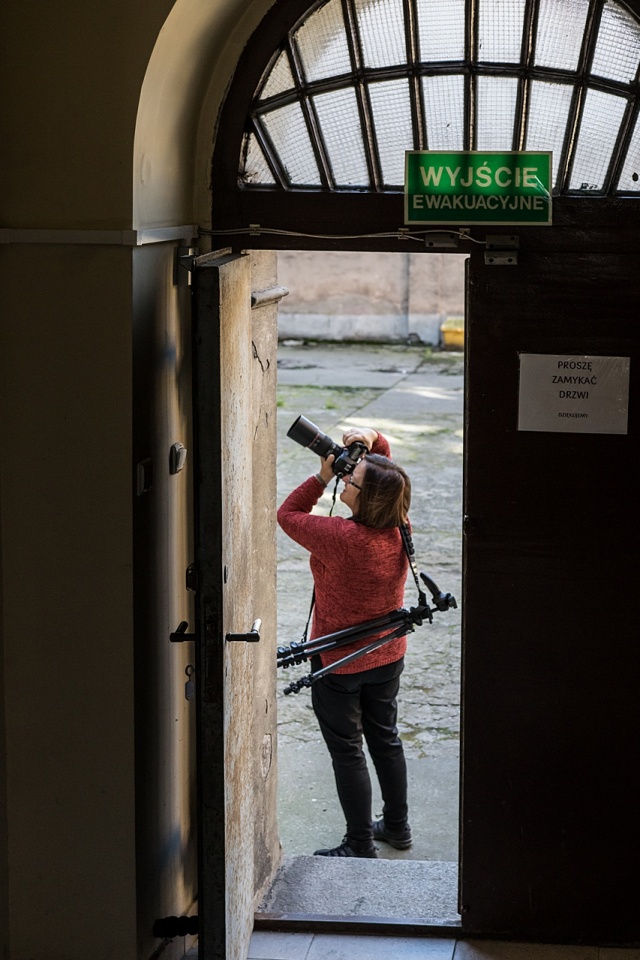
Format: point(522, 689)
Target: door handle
point(180, 635)
point(252, 637)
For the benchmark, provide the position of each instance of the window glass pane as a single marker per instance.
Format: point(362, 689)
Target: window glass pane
point(255, 168)
point(381, 25)
point(280, 78)
point(630, 176)
point(322, 43)
point(441, 29)
point(288, 132)
point(598, 131)
point(549, 105)
point(500, 30)
point(391, 109)
point(618, 46)
point(560, 32)
point(444, 112)
point(496, 112)
point(340, 125)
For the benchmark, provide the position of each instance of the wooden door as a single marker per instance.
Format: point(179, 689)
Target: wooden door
point(551, 660)
point(227, 751)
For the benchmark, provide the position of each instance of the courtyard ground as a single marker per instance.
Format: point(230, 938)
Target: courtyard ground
point(415, 397)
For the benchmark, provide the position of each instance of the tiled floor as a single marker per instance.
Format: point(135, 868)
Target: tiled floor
point(266, 945)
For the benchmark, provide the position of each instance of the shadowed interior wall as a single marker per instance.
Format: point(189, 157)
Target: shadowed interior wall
point(67, 602)
point(107, 120)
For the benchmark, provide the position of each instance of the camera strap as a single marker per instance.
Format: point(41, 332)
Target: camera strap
point(405, 533)
point(313, 594)
point(306, 626)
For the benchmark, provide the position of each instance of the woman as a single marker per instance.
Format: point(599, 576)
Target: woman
point(359, 567)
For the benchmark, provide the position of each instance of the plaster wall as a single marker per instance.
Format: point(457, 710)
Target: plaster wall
point(65, 369)
point(187, 77)
point(107, 119)
point(369, 296)
point(71, 75)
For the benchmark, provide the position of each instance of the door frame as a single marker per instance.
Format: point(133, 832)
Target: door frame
point(579, 223)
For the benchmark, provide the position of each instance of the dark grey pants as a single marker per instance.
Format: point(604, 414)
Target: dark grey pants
point(348, 706)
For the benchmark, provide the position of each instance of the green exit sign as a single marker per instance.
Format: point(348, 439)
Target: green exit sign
point(474, 186)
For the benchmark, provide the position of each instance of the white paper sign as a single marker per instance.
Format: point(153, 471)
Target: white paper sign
point(573, 394)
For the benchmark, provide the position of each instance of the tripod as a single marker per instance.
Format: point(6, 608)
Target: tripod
point(397, 622)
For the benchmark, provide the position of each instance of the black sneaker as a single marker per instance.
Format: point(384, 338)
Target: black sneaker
point(400, 839)
point(346, 850)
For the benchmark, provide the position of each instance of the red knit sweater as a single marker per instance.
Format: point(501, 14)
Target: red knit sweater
point(359, 572)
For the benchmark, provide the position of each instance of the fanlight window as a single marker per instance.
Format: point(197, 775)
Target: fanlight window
point(358, 82)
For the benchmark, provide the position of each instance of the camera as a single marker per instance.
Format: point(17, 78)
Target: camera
point(308, 435)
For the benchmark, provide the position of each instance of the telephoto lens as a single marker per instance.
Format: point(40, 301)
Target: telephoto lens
point(306, 433)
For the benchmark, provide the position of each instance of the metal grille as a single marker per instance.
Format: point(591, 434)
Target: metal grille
point(444, 111)
point(342, 134)
point(356, 83)
point(618, 47)
point(323, 43)
point(630, 176)
point(280, 78)
point(548, 115)
point(441, 29)
point(500, 30)
point(560, 32)
point(381, 27)
point(496, 110)
point(256, 168)
point(288, 131)
point(601, 119)
point(391, 110)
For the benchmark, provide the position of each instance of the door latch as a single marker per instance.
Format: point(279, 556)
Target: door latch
point(252, 637)
point(502, 250)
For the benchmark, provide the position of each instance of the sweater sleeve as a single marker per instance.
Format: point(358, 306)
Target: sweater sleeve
point(382, 447)
point(322, 536)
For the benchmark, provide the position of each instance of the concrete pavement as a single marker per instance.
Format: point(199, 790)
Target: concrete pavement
point(415, 397)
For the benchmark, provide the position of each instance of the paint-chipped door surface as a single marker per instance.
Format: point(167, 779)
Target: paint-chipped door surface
point(223, 442)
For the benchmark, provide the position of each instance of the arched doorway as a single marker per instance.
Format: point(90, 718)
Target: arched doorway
point(530, 731)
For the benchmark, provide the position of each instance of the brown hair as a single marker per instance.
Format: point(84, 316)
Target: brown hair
point(385, 496)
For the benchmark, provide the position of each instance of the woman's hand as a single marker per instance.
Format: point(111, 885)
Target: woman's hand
point(361, 435)
point(326, 470)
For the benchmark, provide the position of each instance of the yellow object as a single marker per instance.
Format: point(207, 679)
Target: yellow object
point(452, 331)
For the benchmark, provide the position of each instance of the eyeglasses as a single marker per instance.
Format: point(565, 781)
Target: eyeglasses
point(353, 483)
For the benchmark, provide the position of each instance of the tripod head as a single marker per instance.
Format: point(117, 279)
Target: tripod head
point(443, 601)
